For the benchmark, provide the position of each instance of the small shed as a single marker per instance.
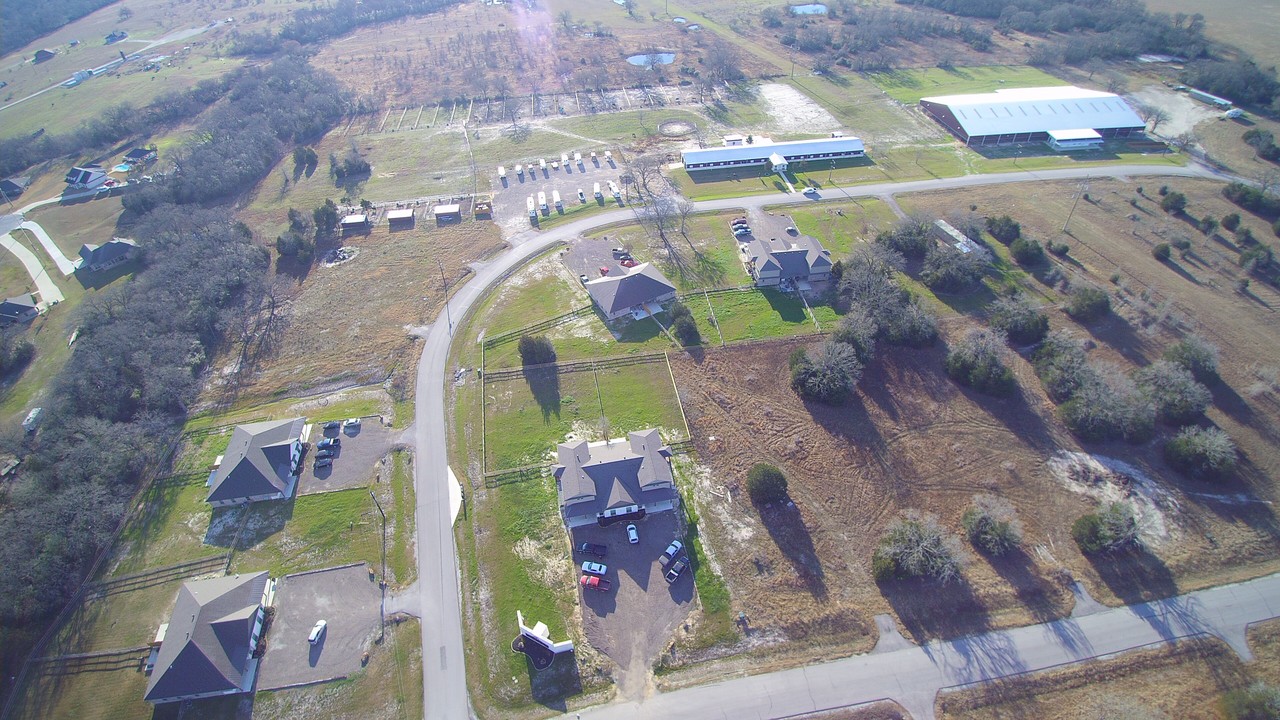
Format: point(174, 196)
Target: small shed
point(447, 213)
point(354, 224)
point(401, 219)
point(140, 156)
point(44, 54)
point(13, 187)
point(947, 235)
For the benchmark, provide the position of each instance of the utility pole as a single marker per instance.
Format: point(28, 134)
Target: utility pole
point(1084, 188)
point(382, 584)
point(445, 285)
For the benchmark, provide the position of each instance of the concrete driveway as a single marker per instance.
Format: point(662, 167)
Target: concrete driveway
point(344, 597)
point(46, 288)
point(354, 462)
point(634, 622)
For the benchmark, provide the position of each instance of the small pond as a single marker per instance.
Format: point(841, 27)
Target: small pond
point(810, 9)
point(650, 59)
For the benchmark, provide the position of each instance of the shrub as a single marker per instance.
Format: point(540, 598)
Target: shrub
point(977, 362)
point(1201, 452)
point(536, 350)
point(910, 237)
point(1108, 406)
point(1004, 229)
point(1174, 203)
point(1161, 252)
point(1061, 365)
point(1027, 252)
point(1112, 528)
point(1256, 258)
point(1178, 398)
point(1197, 355)
point(1061, 249)
point(1208, 224)
point(829, 377)
point(766, 484)
point(1231, 221)
point(1182, 243)
point(992, 525)
point(1164, 190)
point(917, 546)
point(1259, 701)
point(1252, 199)
point(1088, 303)
point(950, 270)
point(1019, 318)
point(683, 325)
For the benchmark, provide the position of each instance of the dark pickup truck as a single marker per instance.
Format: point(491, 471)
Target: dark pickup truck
point(591, 582)
point(593, 549)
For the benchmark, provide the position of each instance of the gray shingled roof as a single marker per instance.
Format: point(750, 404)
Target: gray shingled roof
point(206, 648)
point(643, 284)
point(595, 477)
point(16, 307)
point(105, 253)
point(257, 460)
point(799, 256)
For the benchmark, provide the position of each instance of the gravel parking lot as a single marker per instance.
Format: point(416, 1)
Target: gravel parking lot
point(633, 622)
point(509, 206)
point(353, 463)
point(586, 257)
point(344, 597)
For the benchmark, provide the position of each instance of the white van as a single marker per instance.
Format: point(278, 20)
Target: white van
point(502, 173)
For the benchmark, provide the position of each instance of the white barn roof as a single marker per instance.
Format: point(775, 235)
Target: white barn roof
point(1030, 110)
point(1075, 134)
point(761, 150)
point(404, 214)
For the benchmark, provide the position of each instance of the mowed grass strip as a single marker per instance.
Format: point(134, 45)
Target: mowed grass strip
point(909, 85)
point(753, 315)
point(173, 528)
point(400, 557)
point(525, 419)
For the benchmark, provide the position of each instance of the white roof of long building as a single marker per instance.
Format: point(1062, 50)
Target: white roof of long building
point(761, 150)
point(1027, 110)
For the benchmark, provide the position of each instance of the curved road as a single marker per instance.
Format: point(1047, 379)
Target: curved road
point(444, 674)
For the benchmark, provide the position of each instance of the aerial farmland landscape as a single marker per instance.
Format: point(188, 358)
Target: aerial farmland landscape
point(453, 359)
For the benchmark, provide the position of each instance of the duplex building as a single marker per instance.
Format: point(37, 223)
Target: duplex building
point(614, 480)
point(798, 258)
point(261, 463)
point(639, 291)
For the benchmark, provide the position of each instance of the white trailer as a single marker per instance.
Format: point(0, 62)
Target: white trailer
point(502, 173)
point(613, 188)
point(529, 204)
point(564, 158)
point(542, 201)
point(577, 157)
point(597, 189)
point(555, 198)
point(608, 155)
point(542, 164)
point(520, 170)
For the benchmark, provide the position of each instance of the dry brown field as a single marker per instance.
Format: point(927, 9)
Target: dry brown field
point(352, 323)
point(914, 439)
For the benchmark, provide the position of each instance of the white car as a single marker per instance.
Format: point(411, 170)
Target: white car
point(633, 535)
point(351, 423)
point(316, 632)
point(594, 568)
point(811, 190)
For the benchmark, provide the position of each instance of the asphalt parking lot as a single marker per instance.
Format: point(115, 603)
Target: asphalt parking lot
point(633, 622)
point(355, 458)
point(587, 256)
point(344, 597)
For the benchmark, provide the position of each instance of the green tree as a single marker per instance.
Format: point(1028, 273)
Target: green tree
point(977, 361)
point(1161, 252)
point(1027, 252)
point(1197, 355)
point(1231, 221)
point(1112, 528)
point(1004, 229)
point(992, 525)
point(1020, 318)
point(766, 484)
point(326, 218)
point(1088, 303)
point(536, 350)
point(1201, 452)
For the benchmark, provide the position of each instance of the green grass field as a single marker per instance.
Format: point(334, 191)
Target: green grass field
point(312, 531)
point(525, 419)
point(839, 226)
point(707, 254)
point(400, 557)
point(752, 315)
point(909, 85)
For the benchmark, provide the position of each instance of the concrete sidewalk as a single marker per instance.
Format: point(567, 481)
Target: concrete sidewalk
point(913, 676)
point(46, 288)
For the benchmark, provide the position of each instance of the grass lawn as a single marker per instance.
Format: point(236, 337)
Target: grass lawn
point(716, 625)
point(525, 419)
point(908, 86)
point(617, 127)
point(752, 315)
point(360, 402)
point(401, 562)
point(390, 686)
point(309, 532)
point(173, 529)
point(839, 226)
point(707, 253)
point(99, 695)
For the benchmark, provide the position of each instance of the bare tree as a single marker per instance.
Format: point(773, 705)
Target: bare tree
point(1151, 115)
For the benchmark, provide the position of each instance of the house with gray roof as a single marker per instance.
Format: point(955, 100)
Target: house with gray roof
point(96, 258)
point(799, 258)
point(18, 309)
point(14, 186)
point(620, 295)
point(261, 463)
point(614, 480)
point(209, 646)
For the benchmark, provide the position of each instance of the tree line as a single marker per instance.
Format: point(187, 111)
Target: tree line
point(315, 24)
point(26, 21)
point(123, 395)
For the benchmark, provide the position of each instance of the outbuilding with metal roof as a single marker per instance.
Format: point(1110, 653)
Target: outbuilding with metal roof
point(1080, 117)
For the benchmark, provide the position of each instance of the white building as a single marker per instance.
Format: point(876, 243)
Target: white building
point(1081, 118)
point(778, 155)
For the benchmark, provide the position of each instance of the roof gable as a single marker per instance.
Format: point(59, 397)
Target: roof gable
point(645, 283)
point(258, 460)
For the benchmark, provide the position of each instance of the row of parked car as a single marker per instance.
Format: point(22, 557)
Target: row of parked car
point(593, 573)
point(327, 447)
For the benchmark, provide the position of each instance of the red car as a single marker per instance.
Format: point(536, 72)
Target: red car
point(591, 582)
point(628, 263)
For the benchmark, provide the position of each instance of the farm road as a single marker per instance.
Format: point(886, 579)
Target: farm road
point(444, 676)
point(914, 676)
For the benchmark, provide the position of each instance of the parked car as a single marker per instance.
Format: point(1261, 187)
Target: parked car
point(582, 197)
point(317, 631)
point(625, 256)
point(351, 423)
point(583, 279)
point(328, 443)
point(619, 251)
point(324, 462)
point(332, 425)
point(593, 582)
point(325, 453)
point(677, 567)
point(742, 231)
point(628, 263)
point(671, 552)
point(594, 568)
point(633, 535)
point(592, 549)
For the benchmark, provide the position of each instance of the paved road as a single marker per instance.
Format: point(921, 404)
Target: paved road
point(913, 676)
point(65, 265)
point(444, 677)
point(45, 286)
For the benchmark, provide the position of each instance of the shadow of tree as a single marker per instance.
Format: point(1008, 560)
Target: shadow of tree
point(1135, 575)
point(544, 383)
point(787, 528)
point(1044, 599)
point(927, 609)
